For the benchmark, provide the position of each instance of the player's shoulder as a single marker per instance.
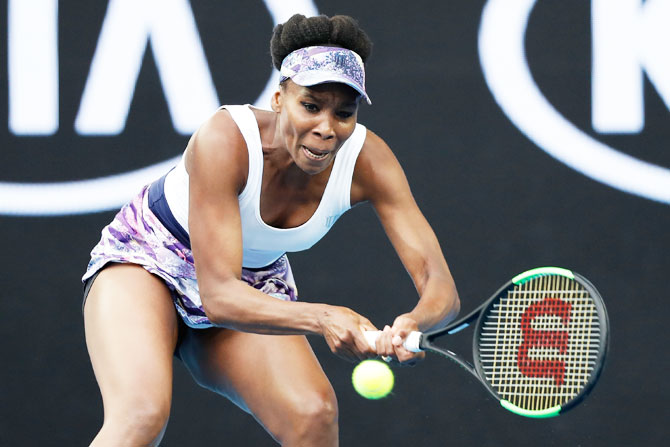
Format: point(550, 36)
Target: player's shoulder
point(375, 153)
point(374, 143)
point(218, 147)
point(376, 166)
point(218, 137)
point(219, 127)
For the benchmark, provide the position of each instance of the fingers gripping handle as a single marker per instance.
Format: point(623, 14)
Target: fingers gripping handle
point(411, 342)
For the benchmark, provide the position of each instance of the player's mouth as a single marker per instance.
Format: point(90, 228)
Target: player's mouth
point(314, 154)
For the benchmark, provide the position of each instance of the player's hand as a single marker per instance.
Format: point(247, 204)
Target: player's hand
point(390, 343)
point(342, 328)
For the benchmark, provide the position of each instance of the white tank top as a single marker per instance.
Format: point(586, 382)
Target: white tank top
point(261, 243)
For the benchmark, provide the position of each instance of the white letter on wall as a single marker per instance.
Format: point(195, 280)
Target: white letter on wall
point(169, 26)
point(32, 59)
point(629, 36)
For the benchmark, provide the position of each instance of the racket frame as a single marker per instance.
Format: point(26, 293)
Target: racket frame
point(475, 368)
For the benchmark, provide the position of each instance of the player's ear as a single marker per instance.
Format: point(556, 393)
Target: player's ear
point(276, 101)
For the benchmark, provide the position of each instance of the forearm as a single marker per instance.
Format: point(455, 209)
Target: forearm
point(236, 305)
point(438, 303)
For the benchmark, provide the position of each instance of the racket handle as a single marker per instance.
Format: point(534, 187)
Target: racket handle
point(411, 342)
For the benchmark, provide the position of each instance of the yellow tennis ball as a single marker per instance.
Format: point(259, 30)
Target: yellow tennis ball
point(372, 379)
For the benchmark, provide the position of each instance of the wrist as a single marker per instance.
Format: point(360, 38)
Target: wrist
point(319, 314)
point(422, 320)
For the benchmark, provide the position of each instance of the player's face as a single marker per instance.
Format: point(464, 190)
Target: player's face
point(315, 121)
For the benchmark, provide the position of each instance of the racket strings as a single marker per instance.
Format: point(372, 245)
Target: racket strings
point(539, 344)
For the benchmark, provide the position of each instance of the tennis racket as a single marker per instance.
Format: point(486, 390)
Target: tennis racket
point(539, 344)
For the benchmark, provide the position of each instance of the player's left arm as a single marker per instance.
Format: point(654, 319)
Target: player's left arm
point(379, 178)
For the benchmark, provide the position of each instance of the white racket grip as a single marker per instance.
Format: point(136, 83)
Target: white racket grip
point(411, 342)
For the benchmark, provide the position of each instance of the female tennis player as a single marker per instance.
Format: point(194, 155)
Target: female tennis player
point(195, 266)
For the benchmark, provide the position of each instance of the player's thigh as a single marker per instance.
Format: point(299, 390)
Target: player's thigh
point(131, 333)
point(271, 376)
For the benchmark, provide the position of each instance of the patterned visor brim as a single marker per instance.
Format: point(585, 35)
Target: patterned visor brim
point(317, 65)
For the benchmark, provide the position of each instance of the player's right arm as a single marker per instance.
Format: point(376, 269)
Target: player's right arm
point(217, 162)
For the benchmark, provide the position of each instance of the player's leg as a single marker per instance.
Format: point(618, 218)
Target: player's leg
point(131, 333)
point(276, 378)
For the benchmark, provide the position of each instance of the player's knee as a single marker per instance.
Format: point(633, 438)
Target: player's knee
point(142, 422)
point(151, 419)
point(315, 413)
